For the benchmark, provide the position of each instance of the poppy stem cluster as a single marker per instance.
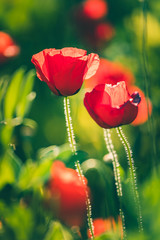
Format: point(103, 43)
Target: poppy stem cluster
point(117, 176)
point(71, 139)
point(132, 176)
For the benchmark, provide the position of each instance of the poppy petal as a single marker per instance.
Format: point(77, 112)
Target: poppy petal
point(111, 105)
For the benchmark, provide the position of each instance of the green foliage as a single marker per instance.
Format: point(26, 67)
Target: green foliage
point(18, 15)
point(18, 95)
point(26, 96)
point(12, 94)
point(9, 168)
point(58, 232)
point(108, 236)
point(19, 221)
point(101, 181)
point(33, 174)
point(15, 102)
point(52, 152)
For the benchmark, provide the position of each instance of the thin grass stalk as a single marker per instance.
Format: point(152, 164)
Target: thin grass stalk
point(147, 79)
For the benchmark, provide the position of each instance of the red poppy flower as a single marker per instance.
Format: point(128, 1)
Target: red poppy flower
point(104, 225)
point(64, 70)
point(69, 192)
point(95, 9)
point(111, 105)
point(143, 109)
point(8, 48)
point(110, 73)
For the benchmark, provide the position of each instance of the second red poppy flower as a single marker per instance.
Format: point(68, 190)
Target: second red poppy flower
point(111, 105)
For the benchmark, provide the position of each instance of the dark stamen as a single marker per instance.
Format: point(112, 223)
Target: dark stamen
point(136, 97)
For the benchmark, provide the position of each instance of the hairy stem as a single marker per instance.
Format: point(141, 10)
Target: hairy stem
point(132, 175)
point(116, 170)
point(70, 132)
point(72, 142)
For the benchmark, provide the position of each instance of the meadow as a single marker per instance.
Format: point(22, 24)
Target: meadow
point(79, 120)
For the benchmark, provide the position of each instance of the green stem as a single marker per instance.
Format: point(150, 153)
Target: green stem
point(116, 170)
point(132, 175)
point(110, 148)
point(88, 203)
point(71, 139)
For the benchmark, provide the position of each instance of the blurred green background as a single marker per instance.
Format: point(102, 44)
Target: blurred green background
point(32, 118)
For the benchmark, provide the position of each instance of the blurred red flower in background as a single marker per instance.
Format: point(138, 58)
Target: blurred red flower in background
point(95, 9)
point(8, 48)
point(90, 24)
point(64, 70)
point(143, 109)
point(111, 105)
point(104, 31)
point(104, 225)
point(68, 193)
point(110, 73)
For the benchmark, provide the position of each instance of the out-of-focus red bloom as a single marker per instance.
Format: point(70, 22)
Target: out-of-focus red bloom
point(104, 225)
point(110, 73)
point(97, 34)
point(111, 105)
point(64, 70)
point(95, 9)
point(8, 48)
point(143, 109)
point(69, 192)
point(92, 28)
point(104, 31)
